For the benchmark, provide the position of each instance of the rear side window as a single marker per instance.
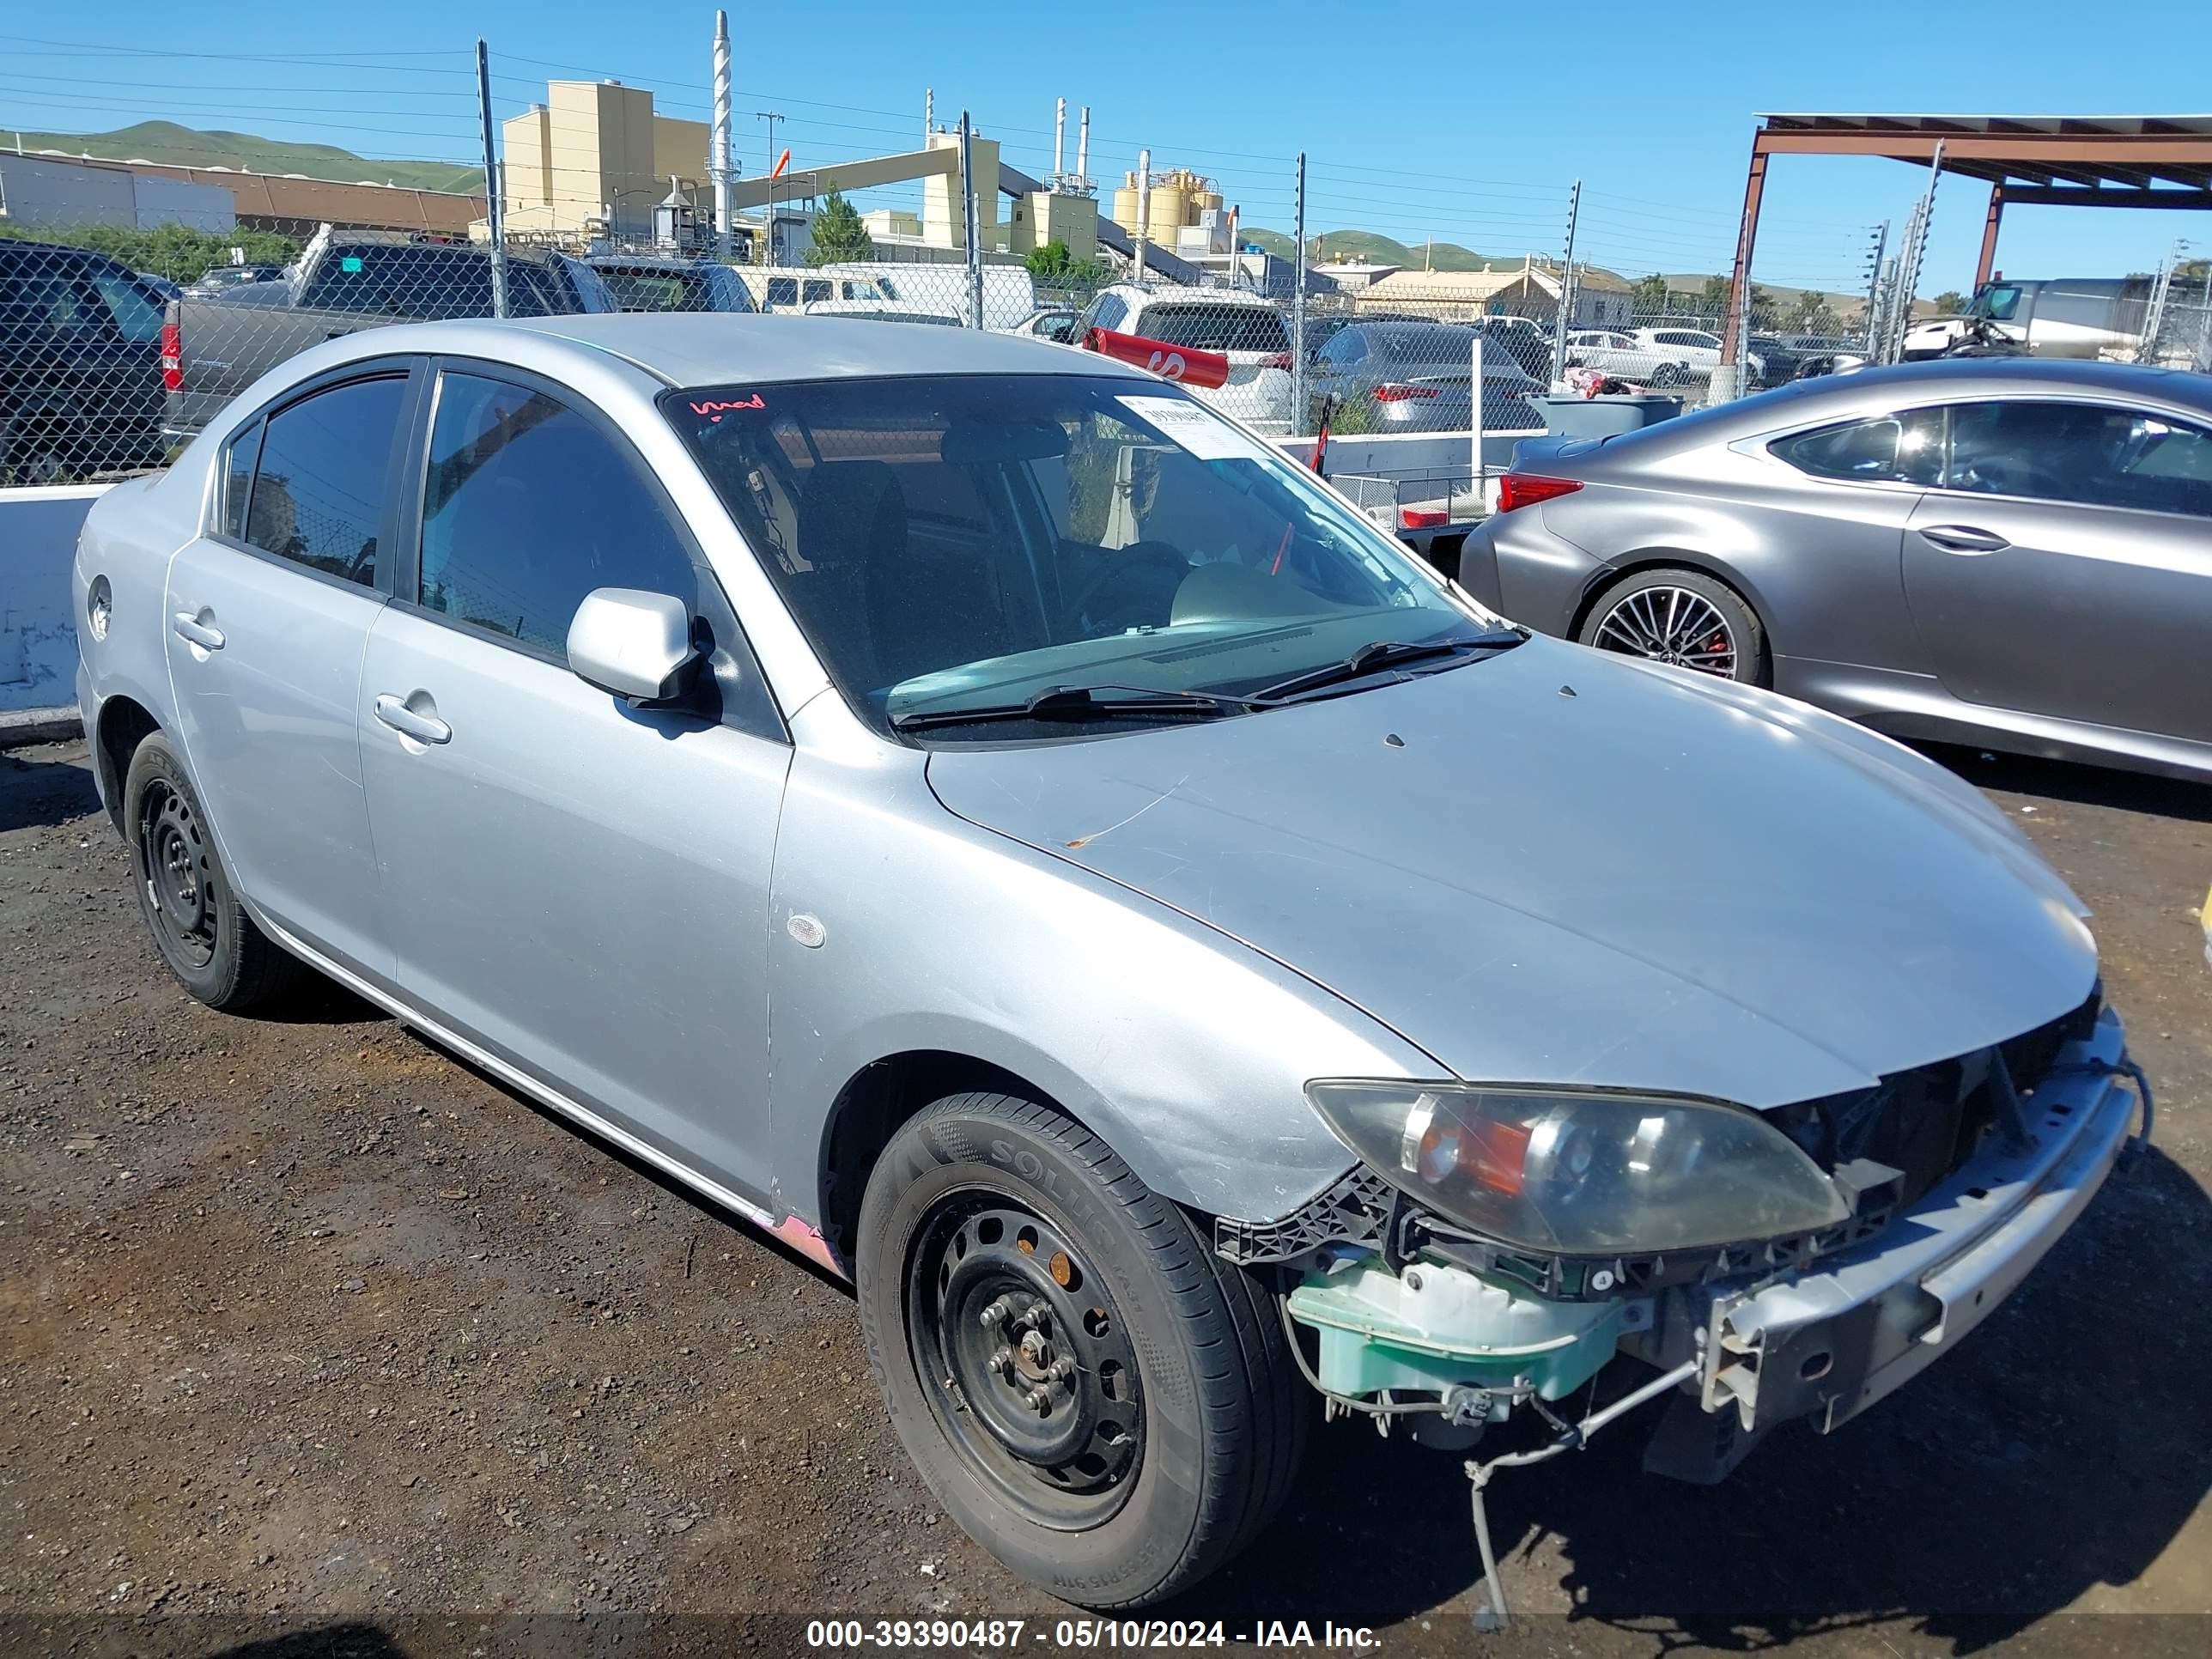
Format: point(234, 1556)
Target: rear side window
point(783, 291)
point(318, 487)
point(1906, 449)
point(238, 480)
point(527, 508)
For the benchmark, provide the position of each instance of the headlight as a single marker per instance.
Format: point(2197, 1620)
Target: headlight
point(1583, 1173)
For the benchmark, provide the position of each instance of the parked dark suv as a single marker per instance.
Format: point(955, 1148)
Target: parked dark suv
point(80, 369)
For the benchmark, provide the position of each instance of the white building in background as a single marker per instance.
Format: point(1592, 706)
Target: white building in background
point(64, 192)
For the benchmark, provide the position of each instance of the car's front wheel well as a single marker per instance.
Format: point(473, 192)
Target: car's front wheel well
point(875, 1105)
point(123, 724)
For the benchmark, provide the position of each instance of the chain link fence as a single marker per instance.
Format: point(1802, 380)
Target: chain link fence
point(117, 344)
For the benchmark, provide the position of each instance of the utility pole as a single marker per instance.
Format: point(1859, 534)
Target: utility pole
point(972, 231)
point(1144, 211)
point(1565, 318)
point(494, 217)
point(1298, 410)
point(767, 174)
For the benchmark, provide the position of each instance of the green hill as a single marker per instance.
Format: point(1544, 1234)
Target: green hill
point(190, 146)
point(1372, 245)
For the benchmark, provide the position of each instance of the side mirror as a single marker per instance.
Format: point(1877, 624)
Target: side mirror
point(633, 643)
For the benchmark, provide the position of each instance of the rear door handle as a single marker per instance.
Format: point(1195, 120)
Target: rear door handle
point(423, 728)
point(1963, 538)
point(190, 627)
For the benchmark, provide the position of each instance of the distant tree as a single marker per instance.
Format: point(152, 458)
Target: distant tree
point(175, 252)
point(1814, 315)
point(1649, 297)
point(839, 238)
point(1950, 301)
point(1712, 298)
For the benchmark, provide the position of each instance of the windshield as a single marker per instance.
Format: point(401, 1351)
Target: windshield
point(971, 541)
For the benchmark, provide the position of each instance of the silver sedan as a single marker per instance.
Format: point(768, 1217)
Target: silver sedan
point(2011, 553)
point(965, 807)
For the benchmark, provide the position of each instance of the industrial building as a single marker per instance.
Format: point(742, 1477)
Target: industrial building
point(595, 157)
point(48, 189)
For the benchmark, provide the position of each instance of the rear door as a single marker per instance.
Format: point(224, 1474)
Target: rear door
point(575, 883)
point(2064, 566)
point(267, 615)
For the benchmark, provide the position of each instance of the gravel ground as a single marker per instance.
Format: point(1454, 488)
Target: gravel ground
point(314, 1341)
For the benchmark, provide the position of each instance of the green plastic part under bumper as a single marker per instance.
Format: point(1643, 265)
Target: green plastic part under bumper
point(1437, 1326)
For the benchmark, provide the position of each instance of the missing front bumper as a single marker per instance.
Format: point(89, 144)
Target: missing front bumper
point(1827, 1345)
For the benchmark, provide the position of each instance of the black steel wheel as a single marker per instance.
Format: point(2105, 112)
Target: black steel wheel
point(1095, 1396)
point(202, 931)
point(1033, 1371)
point(184, 883)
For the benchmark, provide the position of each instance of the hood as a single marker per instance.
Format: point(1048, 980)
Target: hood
point(1561, 866)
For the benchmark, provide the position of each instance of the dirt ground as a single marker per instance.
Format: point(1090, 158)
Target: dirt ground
point(314, 1341)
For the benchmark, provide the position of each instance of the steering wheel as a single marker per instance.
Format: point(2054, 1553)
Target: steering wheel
point(1122, 564)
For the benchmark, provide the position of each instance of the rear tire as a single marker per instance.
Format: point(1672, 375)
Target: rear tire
point(1096, 1398)
point(1680, 617)
point(204, 937)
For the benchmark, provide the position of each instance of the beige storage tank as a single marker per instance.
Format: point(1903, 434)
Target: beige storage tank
point(1125, 205)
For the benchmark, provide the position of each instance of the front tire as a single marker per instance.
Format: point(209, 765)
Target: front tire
point(204, 937)
point(1095, 1396)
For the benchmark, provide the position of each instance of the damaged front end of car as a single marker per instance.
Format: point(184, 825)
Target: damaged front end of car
point(1498, 1246)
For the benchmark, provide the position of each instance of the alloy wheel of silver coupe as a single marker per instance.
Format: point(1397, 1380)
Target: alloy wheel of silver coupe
point(1670, 625)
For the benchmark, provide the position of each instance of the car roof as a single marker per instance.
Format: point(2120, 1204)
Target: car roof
point(1982, 376)
point(718, 348)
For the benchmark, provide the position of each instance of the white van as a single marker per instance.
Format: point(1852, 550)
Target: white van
point(1009, 291)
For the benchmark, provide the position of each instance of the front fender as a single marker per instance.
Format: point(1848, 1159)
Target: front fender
point(1185, 1051)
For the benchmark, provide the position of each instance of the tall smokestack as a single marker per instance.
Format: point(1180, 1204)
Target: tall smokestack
point(1060, 138)
point(718, 142)
point(929, 115)
point(1083, 145)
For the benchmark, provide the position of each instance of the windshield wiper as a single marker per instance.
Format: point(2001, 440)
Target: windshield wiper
point(1379, 654)
point(1083, 703)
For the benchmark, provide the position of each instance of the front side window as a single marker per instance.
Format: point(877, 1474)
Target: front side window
point(2091, 454)
point(137, 316)
point(318, 489)
point(1107, 311)
point(647, 289)
point(1999, 305)
point(952, 542)
point(1906, 449)
point(527, 507)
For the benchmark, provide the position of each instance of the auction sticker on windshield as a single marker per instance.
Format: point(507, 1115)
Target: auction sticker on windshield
point(1193, 429)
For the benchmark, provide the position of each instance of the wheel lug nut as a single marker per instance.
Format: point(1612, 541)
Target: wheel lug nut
point(993, 1315)
point(1002, 1363)
point(1040, 1400)
point(1063, 1369)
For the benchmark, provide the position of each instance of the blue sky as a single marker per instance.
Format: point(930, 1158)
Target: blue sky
point(1462, 122)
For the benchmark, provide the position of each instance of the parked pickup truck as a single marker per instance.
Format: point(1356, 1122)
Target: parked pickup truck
point(213, 347)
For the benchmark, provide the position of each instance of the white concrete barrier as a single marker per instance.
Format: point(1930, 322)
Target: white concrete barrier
point(38, 631)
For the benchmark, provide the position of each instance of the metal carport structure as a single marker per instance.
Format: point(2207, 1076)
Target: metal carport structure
point(2041, 160)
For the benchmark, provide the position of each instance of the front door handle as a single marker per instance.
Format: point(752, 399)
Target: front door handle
point(190, 628)
point(423, 728)
point(1963, 538)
